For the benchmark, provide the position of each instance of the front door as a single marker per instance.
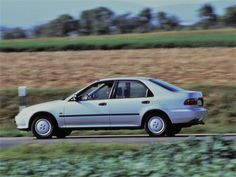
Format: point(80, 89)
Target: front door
point(92, 108)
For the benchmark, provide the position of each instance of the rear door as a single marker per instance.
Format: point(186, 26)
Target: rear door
point(128, 99)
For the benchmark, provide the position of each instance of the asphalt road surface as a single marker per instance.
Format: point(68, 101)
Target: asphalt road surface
point(6, 142)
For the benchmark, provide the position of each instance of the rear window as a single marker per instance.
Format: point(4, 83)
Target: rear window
point(166, 85)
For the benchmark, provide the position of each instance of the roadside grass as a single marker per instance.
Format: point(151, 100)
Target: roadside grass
point(10, 130)
point(219, 100)
point(212, 156)
point(42, 151)
point(179, 39)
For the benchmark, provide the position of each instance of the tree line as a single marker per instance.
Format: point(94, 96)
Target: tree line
point(101, 20)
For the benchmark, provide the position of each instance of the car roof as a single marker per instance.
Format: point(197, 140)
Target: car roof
point(126, 78)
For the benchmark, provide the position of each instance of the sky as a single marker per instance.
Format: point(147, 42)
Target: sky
point(29, 13)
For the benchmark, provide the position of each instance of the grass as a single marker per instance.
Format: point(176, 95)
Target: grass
point(221, 106)
point(209, 157)
point(40, 151)
point(201, 38)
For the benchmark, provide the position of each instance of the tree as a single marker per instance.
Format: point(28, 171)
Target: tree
point(172, 23)
point(41, 30)
point(126, 23)
point(146, 15)
point(144, 20)
point(229, 18)
point(207, 15)
point(122, 23)
point(71, 26)
point(15, 33)
point(58, 27)
point(102, 20)
point(162, 19)
point(96, 21)
point(86, 22)
point(167, 22)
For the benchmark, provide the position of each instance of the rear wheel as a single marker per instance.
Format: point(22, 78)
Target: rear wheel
point(42, 127)
point(156, 125)
point(173, 130)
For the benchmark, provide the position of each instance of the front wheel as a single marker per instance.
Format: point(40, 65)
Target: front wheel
point(42, 127)
point(156, 125)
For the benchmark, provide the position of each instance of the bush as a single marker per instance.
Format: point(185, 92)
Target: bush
point(210, 157)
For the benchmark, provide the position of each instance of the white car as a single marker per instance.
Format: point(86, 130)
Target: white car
point(117, 103)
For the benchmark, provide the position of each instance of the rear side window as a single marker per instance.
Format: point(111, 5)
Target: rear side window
point(165, 85)
point(132, 89)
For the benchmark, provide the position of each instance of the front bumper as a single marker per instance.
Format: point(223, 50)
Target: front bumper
point(190, 116)
point(21, 123)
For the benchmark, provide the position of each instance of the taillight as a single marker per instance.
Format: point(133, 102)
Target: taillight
point(191, 101)
point(194, 101)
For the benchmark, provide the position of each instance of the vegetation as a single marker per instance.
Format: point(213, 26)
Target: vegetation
point(15, 33)
point(209, 18)
point(230, 16)
point(101, 21)
point(209, 157)
point(201, 38)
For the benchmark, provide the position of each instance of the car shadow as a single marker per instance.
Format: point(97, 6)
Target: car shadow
point(120, 136)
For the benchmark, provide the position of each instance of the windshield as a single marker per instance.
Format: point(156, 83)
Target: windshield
point(166, 85)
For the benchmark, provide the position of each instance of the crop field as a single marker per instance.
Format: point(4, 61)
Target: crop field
point(210, 157)
point(71, 69)
point(54, 75)
point(176, 39)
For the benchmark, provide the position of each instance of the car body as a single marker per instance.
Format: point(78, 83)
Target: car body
point(125, 102)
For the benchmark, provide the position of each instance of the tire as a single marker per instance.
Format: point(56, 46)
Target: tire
point(43, 127)
point(173, 130)
point(156, 125)
point(62, 133)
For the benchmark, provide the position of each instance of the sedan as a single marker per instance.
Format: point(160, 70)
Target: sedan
point(162, 109)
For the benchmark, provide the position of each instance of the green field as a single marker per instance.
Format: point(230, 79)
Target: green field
point(219, 100)
point(210, 157)
point(200, 38)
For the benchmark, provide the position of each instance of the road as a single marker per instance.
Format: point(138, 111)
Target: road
point(6, 142)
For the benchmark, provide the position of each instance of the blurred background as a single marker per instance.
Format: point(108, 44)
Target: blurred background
point(56, 47)
point(59, 18)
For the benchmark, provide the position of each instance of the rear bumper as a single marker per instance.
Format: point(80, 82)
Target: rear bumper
point(190, 123)
point(191, 116)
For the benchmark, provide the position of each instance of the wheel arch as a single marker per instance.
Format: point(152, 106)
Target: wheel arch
point(35, 115)
point(157, 112)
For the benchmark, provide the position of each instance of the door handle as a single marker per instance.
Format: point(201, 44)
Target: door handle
point(145, 102)
point(102, 104)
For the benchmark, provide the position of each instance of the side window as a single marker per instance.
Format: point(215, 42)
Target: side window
point(132, 89)
point(102, 93)
point(97, 91)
